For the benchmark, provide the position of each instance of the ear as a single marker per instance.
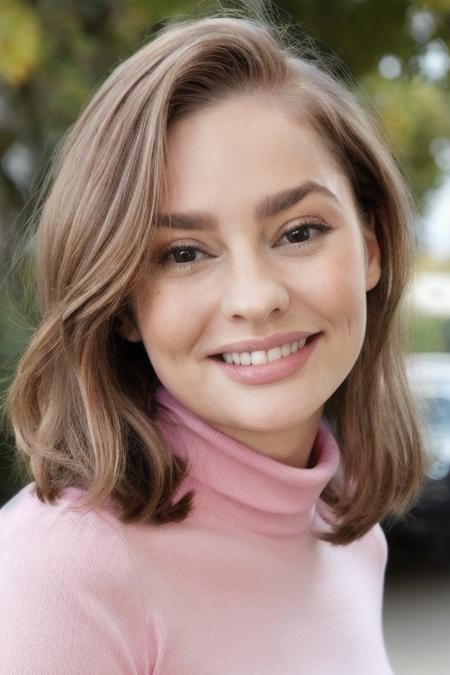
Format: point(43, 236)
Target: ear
point(372, 252)
point(127, 329)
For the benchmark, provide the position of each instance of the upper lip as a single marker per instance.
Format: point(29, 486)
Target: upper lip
point(263, 343)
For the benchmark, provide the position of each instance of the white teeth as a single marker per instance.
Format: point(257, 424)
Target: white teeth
point(260, 357)
point(286, 350)
point(274, 354)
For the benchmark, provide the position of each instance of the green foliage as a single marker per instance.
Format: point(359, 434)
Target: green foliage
point(430, 334)
point(413, 113)
point(357, 31)
point(13, 337)
point(20, 42)
point(412, 108)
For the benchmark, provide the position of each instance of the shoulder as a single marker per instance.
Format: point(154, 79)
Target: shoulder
point(372, 545)
point(67, 573)
point(380, 543)
point(372, 548)
point(58, 534)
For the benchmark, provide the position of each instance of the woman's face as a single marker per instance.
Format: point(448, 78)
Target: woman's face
point(246, 268)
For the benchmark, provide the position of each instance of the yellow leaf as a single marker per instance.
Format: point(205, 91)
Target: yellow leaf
point(20, 42)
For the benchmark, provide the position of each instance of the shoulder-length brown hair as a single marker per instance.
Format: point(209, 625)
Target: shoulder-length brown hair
point(80, 404)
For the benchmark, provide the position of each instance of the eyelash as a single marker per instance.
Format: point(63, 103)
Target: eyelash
point(163, 260)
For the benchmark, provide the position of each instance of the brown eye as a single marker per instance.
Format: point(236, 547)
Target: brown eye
point(301, 233)
point(183, 255)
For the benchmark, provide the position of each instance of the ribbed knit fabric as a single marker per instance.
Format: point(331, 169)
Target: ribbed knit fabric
point(240, 587)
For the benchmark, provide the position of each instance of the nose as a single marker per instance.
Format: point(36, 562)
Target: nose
point(254, 291)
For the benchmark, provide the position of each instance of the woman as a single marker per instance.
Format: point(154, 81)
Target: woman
point(213, 409)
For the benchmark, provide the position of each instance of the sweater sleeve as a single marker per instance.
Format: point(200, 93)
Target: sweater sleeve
point(69, 595)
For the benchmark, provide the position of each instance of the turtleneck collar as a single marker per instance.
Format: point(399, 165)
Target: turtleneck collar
point(255, 491)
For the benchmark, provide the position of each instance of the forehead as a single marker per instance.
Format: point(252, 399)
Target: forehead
point(242, 149)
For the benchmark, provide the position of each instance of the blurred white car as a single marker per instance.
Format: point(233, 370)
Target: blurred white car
point(428, 523)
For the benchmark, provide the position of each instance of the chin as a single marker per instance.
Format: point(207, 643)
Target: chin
point(262, 420)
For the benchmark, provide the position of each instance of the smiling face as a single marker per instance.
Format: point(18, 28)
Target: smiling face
point(242, 272)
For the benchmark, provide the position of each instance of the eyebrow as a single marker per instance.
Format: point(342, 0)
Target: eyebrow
point(268, 207)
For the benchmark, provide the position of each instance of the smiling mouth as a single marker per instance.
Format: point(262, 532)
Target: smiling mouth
point(275, 354)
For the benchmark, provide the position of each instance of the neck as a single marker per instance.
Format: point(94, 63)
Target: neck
point(240, 483)
point(290, 446)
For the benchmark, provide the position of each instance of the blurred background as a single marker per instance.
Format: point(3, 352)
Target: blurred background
point(54, 53)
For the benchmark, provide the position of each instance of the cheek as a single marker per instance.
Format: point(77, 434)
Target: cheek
point(343, 294)
point(351, 309)
point(170, 319)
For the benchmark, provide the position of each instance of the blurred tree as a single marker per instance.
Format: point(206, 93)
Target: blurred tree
point(414, 112)
point(398, 51)
point(20, 42)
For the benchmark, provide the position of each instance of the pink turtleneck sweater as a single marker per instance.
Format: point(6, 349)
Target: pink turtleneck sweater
point(241, 587)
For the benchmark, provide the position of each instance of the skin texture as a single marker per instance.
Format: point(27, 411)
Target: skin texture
point(249, 279)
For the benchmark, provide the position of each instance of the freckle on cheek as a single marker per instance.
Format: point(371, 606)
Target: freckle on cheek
point(349, 326)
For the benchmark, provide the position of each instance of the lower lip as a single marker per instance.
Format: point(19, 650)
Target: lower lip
point(270, 372)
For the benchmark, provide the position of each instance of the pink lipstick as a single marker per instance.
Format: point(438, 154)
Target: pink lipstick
point(273, 371)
